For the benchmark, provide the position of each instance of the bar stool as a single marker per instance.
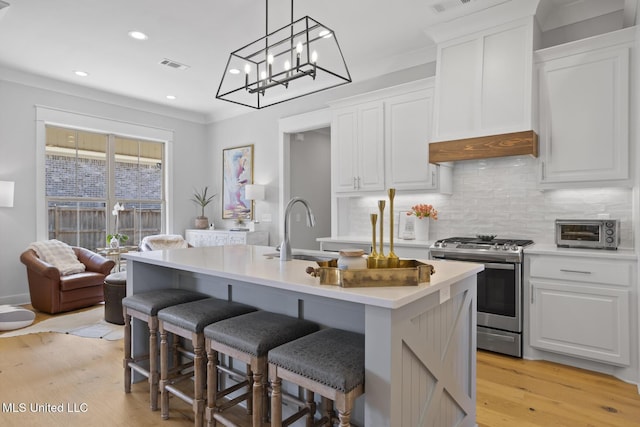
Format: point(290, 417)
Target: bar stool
point(247, 338)
point(330, 363)
point(145, 306)
point(188, 321)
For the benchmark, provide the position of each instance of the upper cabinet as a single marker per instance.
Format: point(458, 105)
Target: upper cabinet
point(357, 145)
point(583, 108)
point(484, 82)
point(407, 119)
point(380, 140)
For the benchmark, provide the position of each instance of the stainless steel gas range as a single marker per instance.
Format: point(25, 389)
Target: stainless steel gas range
point(499, 287)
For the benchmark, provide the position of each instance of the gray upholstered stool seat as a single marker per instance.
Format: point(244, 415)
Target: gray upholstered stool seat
point(248, 338)
point(188, 321)
point(329, 362)
point(115, 289)
point(145, 306)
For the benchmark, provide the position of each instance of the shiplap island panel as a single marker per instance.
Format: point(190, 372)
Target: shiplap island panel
point(420, 340)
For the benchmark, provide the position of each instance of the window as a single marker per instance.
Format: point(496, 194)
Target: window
point(88, 172)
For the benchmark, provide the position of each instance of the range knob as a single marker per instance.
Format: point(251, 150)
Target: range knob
point(506, 247)
point(495, 246)
point(443, 244)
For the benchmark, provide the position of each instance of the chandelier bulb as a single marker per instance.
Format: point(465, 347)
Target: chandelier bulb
point(270, 59)
point(299, 48)
point(287, 65)
point(247, 68)
point(314, 56)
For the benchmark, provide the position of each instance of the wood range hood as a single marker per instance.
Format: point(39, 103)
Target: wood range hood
point(484, 147)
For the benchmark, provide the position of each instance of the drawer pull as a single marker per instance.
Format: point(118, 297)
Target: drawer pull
point(575, 271)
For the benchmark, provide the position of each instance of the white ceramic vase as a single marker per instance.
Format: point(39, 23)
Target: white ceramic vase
point(422, 229)
point(114, 243)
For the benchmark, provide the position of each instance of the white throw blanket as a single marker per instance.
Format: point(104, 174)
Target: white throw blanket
point(58, 254)
point(164, 241)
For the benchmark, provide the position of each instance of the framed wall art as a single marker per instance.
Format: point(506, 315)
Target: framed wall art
point(237, 172)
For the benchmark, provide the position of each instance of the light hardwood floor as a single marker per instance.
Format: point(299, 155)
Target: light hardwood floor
point(85, 376)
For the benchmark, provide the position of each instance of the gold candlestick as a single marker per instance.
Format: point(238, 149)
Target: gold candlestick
point(371, 261)
point(381, 260)
point(393, 259)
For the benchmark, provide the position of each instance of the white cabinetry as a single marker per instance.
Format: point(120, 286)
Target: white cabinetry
point(199, 238)
point(584, 111)
point(580, 306)
point(358, 150)
point(484, 82)
point(380, 140)
point(407, 133)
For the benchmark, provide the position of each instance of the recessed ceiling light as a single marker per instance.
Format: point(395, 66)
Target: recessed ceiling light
point(81, 73)
point(171, 97)
point(138, 35)
point(234, 71)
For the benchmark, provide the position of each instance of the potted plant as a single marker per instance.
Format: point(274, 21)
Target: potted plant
point(115, 240)
point(202, 199)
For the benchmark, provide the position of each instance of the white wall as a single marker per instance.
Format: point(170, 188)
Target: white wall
point(18, 163)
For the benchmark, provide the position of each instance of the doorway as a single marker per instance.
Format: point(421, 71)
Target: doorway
point(305, 171)
point(310, 178)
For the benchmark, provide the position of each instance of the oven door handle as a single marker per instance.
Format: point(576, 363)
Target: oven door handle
point(496, 266)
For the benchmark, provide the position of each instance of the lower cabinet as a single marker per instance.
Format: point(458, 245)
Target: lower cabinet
point(581, 307)
point(199, 238)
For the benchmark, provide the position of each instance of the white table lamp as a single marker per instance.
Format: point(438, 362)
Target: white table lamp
point(254, 192)
point(6, 194)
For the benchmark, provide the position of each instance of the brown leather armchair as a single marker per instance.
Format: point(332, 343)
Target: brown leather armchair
point(53, 293)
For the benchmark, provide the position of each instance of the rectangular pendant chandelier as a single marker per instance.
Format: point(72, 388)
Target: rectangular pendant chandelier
point(298, 59)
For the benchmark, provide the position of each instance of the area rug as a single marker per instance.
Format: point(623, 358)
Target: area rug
point(89, 323)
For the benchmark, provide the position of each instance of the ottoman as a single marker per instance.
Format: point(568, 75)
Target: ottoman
point(115, 288)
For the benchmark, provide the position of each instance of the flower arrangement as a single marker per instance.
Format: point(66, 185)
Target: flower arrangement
point(120, 238)
point(423, 211)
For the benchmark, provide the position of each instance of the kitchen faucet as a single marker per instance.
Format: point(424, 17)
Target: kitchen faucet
point(285, 246)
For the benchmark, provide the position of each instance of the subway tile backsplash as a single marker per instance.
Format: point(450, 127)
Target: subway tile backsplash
point(498, 196)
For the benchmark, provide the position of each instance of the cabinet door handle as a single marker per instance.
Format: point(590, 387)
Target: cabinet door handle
point(533, 292)
point(575, 271)
point(433, 178)
point(354, 183)
point(542, 170)
point(358, 183)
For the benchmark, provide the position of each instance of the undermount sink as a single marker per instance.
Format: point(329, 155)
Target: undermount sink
point(305, 257)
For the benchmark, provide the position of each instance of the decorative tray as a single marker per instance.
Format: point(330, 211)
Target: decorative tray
point(408, 273)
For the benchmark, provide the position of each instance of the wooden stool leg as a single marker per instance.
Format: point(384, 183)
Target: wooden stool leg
point(311, 406)
point(327, 410)
point(212, 383)
point(153, 362)
point(258, 389)
point(199, 376)
point(164, 373)
point(276, 397)
point(345, 418)
point(127, 353)
point(265, 389)
point(249, 387)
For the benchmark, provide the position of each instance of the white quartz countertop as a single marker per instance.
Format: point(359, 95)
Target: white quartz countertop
point(549, 249)
point(367, 240)
point(248, 263)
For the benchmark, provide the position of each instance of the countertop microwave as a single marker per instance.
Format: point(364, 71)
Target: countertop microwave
point(588, 233)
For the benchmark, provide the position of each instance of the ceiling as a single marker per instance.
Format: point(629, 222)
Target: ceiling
point(54, 38)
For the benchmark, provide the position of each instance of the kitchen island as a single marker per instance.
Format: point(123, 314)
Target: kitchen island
point(420, 360)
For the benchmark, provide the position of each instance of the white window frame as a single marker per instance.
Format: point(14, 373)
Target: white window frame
point(72, 120)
